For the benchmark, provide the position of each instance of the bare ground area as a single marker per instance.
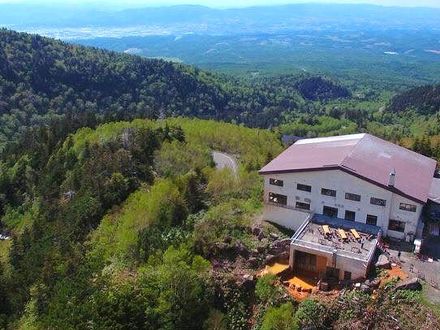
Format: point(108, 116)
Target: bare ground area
point(425, 266)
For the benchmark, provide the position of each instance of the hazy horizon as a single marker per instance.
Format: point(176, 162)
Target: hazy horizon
point(224, 4)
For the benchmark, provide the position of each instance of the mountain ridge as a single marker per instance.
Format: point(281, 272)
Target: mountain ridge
point(31, 15)
point(43, 78)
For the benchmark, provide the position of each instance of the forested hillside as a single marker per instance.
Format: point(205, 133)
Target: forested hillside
point(424, 100)
point(318, 88)
point(117, 221)
point(49, 88)
point(114, 220)
point(129, 226)
point(65, 87)
point(43, 81)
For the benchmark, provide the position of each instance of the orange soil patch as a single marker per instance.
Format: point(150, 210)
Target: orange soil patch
point(393, 273)
point(274, 269)
point(304, 282)
point(298, 296)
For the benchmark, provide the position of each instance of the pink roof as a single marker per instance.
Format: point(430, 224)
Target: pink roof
point(362, 155)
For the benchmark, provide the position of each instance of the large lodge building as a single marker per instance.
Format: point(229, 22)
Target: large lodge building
point(341, 194)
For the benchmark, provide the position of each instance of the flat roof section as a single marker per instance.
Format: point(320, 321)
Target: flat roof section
point(346, 224)
point(312, 235)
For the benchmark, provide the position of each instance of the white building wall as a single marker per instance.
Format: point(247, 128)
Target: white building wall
point(288, 218)
point(341, 182)
point(410, 218)
point(356, 267)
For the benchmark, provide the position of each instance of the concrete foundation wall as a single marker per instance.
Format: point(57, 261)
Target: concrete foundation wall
point(285, 217)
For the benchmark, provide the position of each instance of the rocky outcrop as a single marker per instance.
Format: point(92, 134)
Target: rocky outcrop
point(241, 249)
point(258, 232)
point(280, 246)
point(270, 259)
point(253, 262)
point(283, 256)
point(365, 288)
point(248, 281)
point(374, 283)
point(410, 284)
point(273, 236)
point(383, 262)
point(230, 250)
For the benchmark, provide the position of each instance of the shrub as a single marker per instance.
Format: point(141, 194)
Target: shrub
point(310, 314)
point(178, 158)
point(280, 318)
point(265, 288)
point(226, 219)
point(222, 185)
point(216, 321)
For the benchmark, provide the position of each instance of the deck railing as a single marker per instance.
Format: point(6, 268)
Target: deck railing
point(301, 228)
point(332, 250)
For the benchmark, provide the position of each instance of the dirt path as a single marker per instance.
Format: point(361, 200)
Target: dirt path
point(223, 160)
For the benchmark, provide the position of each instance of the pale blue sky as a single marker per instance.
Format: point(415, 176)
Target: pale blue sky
point(224, 3)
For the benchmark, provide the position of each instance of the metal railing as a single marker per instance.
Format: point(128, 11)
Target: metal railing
point(332, 250)
point(301, 228)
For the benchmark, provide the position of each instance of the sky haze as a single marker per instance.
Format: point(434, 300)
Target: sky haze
point(224, 3)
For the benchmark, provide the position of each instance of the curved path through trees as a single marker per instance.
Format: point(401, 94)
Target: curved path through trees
point(223, 160)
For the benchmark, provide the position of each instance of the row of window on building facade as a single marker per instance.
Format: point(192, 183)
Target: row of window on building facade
point(349, 196)
point(394, 225)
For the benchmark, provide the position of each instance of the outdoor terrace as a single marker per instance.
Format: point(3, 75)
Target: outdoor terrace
point(347, 238)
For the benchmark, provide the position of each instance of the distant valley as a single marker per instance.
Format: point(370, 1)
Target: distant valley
point(400, 57)
point(370, 43)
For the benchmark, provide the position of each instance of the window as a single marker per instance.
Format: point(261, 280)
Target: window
point(276, 182)
point(408, 207)
point(303, 187)
point(302, 206)
point(350, 215)
point(353, 197)
point(330, 211)
point(396, 225)
point(277, 198)
point(378, 201)
point(371, 220)
point(347, 276)
point(328, 192)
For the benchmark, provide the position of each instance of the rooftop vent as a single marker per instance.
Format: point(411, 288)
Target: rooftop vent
point(392, 178)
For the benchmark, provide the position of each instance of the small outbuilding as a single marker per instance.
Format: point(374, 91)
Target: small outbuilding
point(325, 247)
